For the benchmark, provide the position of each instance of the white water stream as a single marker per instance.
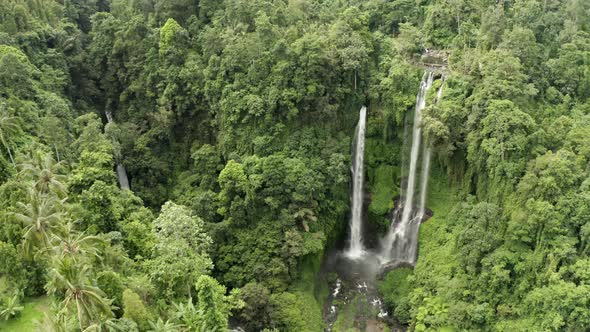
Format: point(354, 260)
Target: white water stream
point(356, 248)
point(401, 241)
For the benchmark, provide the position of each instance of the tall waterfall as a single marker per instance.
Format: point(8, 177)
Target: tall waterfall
point(121, 172)
point(401, 240)
point(356, 248)
point(426, 164)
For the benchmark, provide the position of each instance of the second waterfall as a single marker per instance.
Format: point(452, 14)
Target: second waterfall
point(401, 242)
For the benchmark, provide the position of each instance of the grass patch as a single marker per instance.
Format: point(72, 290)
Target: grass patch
point(34, 309)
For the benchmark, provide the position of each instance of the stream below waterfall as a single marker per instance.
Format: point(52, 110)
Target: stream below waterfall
point(354, 300)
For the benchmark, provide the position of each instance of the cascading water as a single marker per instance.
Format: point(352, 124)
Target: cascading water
point(122, 176)
point(358, 268)
point(426, 165)
point(400, 242)
point(121, 172)
point(356, 248)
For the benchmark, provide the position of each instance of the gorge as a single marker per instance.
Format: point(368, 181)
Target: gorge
point(358, 267)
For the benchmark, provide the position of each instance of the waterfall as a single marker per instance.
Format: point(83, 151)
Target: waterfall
point(424, 180)
point(121, 172)
point(426, 165)
point(400, 242)
point(122, 176)
point(356, 248)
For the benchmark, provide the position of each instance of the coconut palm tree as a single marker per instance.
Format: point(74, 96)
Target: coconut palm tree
point(76, 245)
point(8, 127)
point(45, 172)
point(88, 303)
point(42, 217)
point(56, 320)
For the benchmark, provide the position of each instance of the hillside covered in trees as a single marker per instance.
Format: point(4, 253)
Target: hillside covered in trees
point(184, 165)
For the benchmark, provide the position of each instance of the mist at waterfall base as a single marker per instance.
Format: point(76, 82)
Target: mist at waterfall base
point(361, 263)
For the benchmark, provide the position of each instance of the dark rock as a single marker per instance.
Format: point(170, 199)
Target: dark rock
point(390, 266)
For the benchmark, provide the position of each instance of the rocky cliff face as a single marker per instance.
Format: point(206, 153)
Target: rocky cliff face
point(435, 58)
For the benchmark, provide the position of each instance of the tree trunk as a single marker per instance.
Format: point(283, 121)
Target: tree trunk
point(10, 155)
point(188, 286)
point(56, 152)
point(7, 148)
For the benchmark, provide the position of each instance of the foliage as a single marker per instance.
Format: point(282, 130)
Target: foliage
point(135, 310)
point(88, 302)
point(214, 305)
point(33, 310)
point(256, 299)
point(10, 308)
point(396, 287)
point(291, 312)
point(180, 255)
point(243, 112)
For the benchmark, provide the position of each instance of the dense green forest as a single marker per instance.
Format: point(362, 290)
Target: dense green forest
point(234, 121)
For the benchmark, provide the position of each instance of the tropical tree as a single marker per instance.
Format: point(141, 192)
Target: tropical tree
point(504, 135)
point(11, 307)
point(135, 310)
point(189, 316)
point(8, 127)
point(41, 217)
point(76, 245)
point(88, 303)
point(113, 325)
point(180, 255)
point(214, 305)
point(55, 321)
point(53, 131)
point(45, 172)
point(163, 326)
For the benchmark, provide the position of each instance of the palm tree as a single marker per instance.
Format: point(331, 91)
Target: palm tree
point(8, 127)
point(75, 245)
point(12, 308)
point(87, 302)
point(191, 317)
point(45, 173)
point(41, 217)
point(56, 321)
point(161, 326)
point(305, 215)
point(109, 325)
